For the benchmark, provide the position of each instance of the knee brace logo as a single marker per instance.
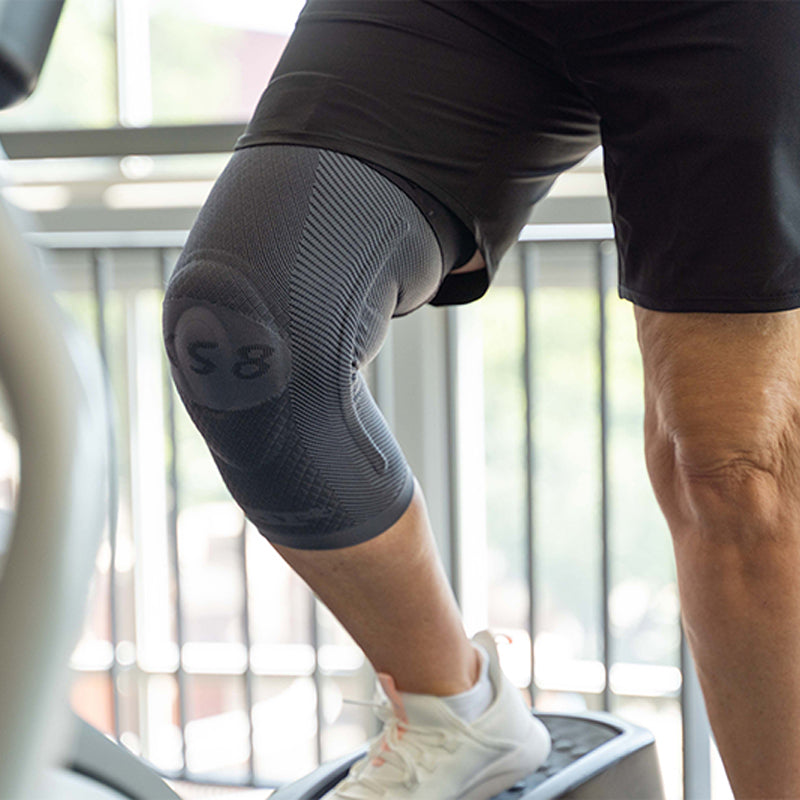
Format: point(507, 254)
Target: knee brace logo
point(226, 361)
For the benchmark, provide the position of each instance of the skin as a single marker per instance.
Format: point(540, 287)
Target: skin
point(392, 595)
point(722, 425)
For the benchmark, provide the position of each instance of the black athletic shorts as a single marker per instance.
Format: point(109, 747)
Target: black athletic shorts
point(483, 104)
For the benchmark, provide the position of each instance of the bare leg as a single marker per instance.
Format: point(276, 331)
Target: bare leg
point(723, 448)
point(393, 597)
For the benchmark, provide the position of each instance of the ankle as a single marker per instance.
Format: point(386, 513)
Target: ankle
point(448, 680)
point(468, 677)
point(473, 703)
point(472, 672)
point(477, 666)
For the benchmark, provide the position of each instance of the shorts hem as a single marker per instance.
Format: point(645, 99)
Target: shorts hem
point(349, 536)
point(713, 305)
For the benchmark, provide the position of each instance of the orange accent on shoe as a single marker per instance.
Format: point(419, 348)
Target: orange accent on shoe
point(390, 689)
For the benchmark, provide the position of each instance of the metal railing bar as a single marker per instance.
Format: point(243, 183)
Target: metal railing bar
point(108, 240)
point(133, 357)
point(664, 692)
point(529, 258)
point(248, 672)
point(317, 677)
point(453, 473)
point(151, 140)
point(101, 268)
point(567, 232)
point(173, 506)
point(148, 239)
point(696, 731)
point(604, 254)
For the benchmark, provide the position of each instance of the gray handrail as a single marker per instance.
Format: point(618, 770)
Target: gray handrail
point(53, 380)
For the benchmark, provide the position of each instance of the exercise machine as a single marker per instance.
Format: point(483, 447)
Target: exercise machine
point(54, 382)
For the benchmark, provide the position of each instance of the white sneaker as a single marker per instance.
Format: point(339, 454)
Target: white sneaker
point(425, 752)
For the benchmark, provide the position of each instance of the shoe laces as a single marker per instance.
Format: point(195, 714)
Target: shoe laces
point(405, 747)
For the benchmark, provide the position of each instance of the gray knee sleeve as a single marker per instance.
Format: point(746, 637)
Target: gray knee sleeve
point(285, 289)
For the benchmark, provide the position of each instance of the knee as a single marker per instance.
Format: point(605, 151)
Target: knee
point(729, 483)
point(226, 349)
point(301, 448)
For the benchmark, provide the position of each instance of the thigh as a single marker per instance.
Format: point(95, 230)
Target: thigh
point(700, 107)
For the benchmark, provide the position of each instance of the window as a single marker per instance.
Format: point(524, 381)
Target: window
point(142, 62)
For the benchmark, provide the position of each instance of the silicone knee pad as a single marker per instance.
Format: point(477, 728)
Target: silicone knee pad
point(284, 291)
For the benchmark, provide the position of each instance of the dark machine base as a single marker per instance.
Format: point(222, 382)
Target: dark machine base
point(594, 755)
